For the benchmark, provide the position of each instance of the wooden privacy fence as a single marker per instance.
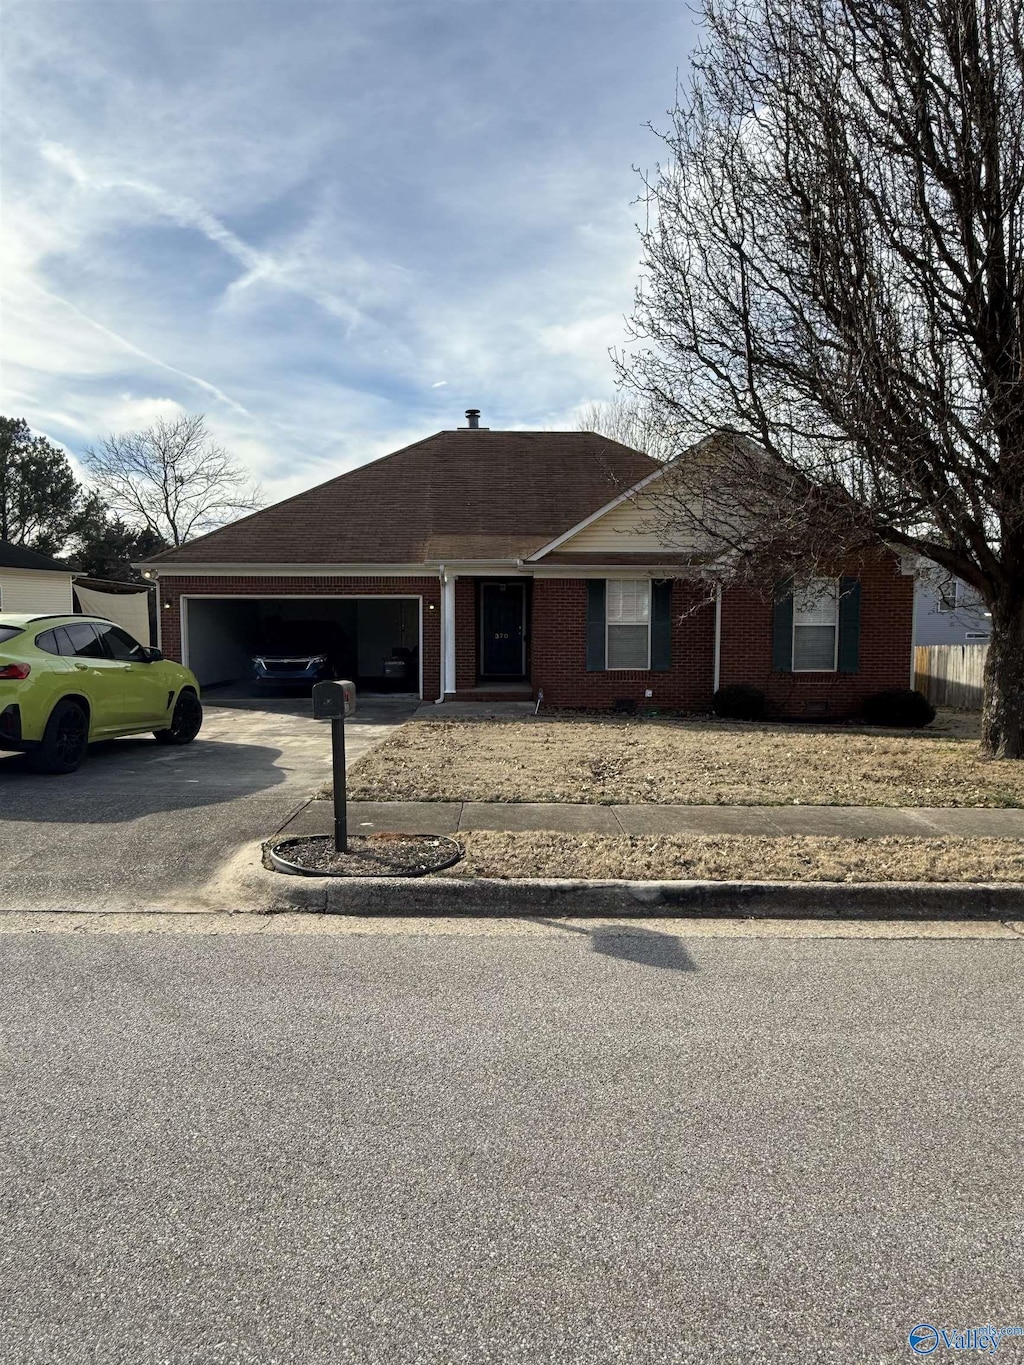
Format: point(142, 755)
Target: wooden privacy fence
point(951, 675)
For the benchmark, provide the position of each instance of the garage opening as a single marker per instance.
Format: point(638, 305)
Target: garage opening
point(373, 640)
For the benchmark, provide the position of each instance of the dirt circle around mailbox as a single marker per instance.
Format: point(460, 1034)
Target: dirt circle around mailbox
point(370, 855)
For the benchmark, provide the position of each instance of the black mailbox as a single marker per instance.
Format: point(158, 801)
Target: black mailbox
point(334, 700)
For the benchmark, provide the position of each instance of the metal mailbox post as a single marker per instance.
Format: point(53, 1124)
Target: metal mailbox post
point(334, 701)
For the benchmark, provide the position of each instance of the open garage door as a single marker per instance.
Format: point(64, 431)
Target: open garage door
point(373, 640)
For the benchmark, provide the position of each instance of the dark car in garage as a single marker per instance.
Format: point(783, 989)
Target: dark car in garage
point(301, 653)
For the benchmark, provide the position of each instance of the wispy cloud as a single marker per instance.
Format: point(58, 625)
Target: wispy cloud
point(210, 390)
point(259, 266)
point(331, 226)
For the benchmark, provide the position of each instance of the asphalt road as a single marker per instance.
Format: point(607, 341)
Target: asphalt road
point(141, 824)
point(596, 1146)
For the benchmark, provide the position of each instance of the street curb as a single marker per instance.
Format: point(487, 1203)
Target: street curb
point(452, 896)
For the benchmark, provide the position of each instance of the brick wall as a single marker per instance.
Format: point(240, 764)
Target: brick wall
point(886, 620)
point(171, 590)
point(558, 614)
point(560, 652)
point(465, 634)
point(886, 626)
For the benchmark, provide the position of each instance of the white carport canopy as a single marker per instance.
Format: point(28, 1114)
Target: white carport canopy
point(128, 609)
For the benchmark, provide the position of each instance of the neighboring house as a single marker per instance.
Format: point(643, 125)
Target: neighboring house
point(33, 582)
point(949, 612)
point(515, 564)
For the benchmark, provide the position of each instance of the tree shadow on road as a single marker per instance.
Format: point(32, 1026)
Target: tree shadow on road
point(633, 943)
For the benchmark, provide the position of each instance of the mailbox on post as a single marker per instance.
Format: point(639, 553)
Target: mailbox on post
point(335, 700)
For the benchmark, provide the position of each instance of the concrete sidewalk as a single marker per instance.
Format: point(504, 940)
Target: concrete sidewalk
point(851, 822)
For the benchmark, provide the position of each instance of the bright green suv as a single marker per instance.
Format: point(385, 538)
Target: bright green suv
point(68, 680)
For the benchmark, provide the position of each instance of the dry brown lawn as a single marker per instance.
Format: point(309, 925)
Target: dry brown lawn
point(740, 858)
point(617, 760)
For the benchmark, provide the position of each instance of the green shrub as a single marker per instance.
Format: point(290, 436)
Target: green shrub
point(899, 706)
point(739, 702)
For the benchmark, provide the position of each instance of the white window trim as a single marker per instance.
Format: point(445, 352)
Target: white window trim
point(940, 605)
point(835, 641)
point(629, 668)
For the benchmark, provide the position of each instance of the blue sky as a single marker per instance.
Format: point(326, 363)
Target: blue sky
point(330, 226)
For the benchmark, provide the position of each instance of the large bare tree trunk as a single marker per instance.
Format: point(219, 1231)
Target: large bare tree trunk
point(1002, 719)
point(834, 267)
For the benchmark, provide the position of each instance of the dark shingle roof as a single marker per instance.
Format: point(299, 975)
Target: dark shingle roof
point(20, 557)
point(456, 495)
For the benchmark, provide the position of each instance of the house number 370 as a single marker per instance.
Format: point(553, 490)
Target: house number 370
point(501, 635)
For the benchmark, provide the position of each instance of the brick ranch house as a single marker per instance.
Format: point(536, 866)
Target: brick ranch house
point(504, 564)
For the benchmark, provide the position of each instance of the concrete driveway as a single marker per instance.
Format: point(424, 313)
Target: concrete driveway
point(141, 824)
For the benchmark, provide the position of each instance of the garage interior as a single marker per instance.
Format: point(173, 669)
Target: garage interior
point(221, 636)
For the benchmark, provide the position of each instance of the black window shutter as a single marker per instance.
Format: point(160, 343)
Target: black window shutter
point(849, 625)
point(595, 625)
point(782, 627)
point(661, 626)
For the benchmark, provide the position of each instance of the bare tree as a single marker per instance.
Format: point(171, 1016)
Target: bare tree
point(631, 422)
point(835, 268)
point(172, 478)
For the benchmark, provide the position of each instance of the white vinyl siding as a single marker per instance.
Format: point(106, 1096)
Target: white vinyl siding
point(39, 591)
point(633, 527)
point(628, 623)
point(816, 626)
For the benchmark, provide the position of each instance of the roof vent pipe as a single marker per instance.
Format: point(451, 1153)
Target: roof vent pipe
point(473, 418)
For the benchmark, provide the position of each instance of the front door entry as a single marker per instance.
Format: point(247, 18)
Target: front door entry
point(502, 630)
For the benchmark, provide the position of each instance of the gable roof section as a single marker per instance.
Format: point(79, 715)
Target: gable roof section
point(638, 524)
point(620, 497)
point(457, 495)
point(20, 557)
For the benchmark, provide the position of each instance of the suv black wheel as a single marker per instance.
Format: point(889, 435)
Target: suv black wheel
point(185, 723)
point(64, 741)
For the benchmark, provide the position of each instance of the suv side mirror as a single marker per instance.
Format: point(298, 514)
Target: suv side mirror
point(151, 655)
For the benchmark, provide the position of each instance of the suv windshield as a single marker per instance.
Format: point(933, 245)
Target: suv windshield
point(8, 632)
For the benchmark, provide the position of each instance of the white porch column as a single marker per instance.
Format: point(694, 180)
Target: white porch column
point(716, 682)
point(448, 632)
